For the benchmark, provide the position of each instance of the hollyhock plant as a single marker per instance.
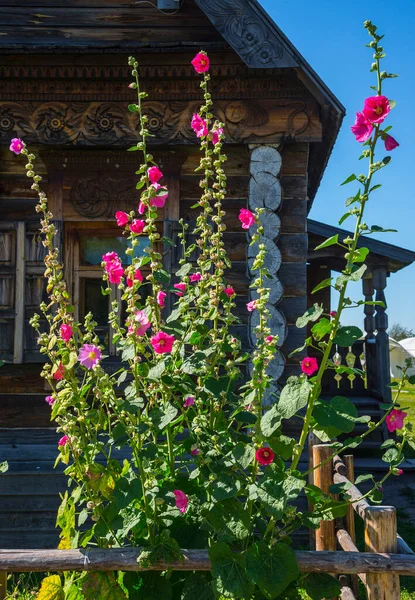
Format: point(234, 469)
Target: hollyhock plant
point(264, 456)
point(66, 332)
point(269, 339)
point(59, 374)
point(17, 145)
point(162, 342)
point(137, 226)
point(89, 356)
point(376, 108)
point(195, 277)
point(141, 208)
point(140, 323)
point(251, 306)
point(309, 365)
point(159, 200)
point(63, 441)
point(154, 174)
point(216, 133)
point(199, 126)
point(113, 267)
point(161, 297)
point(333, 313)
point(122, 218)
point(229, 291)
point(395, 419)
point(180, 288)
point(182, 500)
point(201, 62)
point(362, 128)
point(50, 400)
point(138, 276)
point(390, 143)
point(189, 401)
point(246, 218)
point(194, 451)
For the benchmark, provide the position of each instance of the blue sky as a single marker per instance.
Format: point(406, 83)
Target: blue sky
point(331, 37)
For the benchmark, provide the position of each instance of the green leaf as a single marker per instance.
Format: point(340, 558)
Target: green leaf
point(197, 587)
point(229, 573)
point(360, 255)
point(245, 417)
point(4, 466)
point(338, 488)
point(349, 179)
point(102, 585)
point(312, 314)
point(243, 454)
point(165, 549)
point(216, 386)
point(321, 585)
point(357, 273)
point(391, 456)
point(346, 336)
point(51, 589)
point(133, 108)
point(338, 416)
point(321, 329)
point(323, 284)
point(157, 371)
point(282, 446)
point(345, 216)
point(74, 593)
point(229, 520)
point(378, 229)
point(161, 417)
point(225, 487)
point(184, 270)
point(294, 397)
point(154, 586)
point(363, 478)
point(270, 421)
point(271, 569)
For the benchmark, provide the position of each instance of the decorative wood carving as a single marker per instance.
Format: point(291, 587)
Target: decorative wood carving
point(102, 197)
point(250, 32)
point(109, 123)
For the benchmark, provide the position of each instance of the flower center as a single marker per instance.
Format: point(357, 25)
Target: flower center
point(266, 454)
point(161, 342)
point(378, 110)
point(392, 418)
point(92, 355)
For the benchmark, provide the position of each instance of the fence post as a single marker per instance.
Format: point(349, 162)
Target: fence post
point(350, 522)
point(323, 478)
point(3, 585)
point(380, 536)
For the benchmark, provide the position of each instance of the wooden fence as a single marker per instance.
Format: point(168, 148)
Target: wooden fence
point(386, 558)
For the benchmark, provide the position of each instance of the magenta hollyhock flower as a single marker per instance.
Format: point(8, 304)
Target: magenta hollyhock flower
point(399, 472)
point(264, 456)
point(199, 126)
point(333, 313)
point(140, 323)
point(159, 201)
point(137, 277)
point(154, 174)
point(362, 128)
point(110, 257)
point(122, 218)
point(376, 109)
point(141, 208)
point(161, 296)
point(59, 373)
point(63, 441)
point(309, 365)
point(195, 277)
point(89, 356)
point(201, 62)
point(189, 401)
point(390, 143)
point(269, 339)
point(246, 218)
point(229, 291)
point(251, 306)
point(194, 451)
point(50, 400)
point(17, 145)
point(113, 267)
point(395, 419)
point(162, 342)
point(182, 500)
point(66, 332)
point(216, 133)
point(137, 226)
point(181, 288)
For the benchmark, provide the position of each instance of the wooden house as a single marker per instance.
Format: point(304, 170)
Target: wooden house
point(64, 90)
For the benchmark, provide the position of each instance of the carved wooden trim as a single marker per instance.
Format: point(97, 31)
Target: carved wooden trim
point(110, 123)
point(252, 35)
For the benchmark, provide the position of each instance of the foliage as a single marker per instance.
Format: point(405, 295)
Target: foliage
point(399, 332)
point(208, 464)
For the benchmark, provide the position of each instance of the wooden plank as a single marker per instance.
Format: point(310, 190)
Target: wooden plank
point(293, 215)
point(52, 483)
point(293, 277)
point(295, 160)
point(293, 247)
point(30, 539)
point(294, 187)
point(323, 469)
point(75, 3)
point(350, 518)
point(27, 503)
point(23, 410)
point(25, 521)
point(19, 293)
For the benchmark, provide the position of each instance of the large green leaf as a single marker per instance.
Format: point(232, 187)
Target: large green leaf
point(198, 587)
point(321, 328)
point(270, 421)
point(225, 487)
point(312, 314)
point(229, 573)
point(243, 454)
point(271, 569)
point(338, 416)
point(321, 585)
point(161, 417)
point(331, 241)
point(102, 585)
point(157, 371)
point(74, 593)
point(346, 336)
point(229, 520)
point(294, 397)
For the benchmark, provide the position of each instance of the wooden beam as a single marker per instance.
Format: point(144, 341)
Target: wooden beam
point(323, 469)
point(19, 293)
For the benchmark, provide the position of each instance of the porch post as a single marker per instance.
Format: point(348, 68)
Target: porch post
point(370, 339)
point(382, 337)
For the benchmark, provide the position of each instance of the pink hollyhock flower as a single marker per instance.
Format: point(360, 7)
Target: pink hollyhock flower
point(137, 226)
point(376, 109)
point(162, 342)
point(59, 373)
point(194, 451)
point(362, 128)
point(110, 257)
point(246, 218)
point(269, 339)
point(199, 126)
point(89, 356)
point(201, 62)
point(390, 143)
point(195, 277)
point(229, 291)
point(159, 201)
point(122, 218)
point(161, 296)
point(181, 288)
point(395, 419)
point(137, 277)
point(63, 441)
point(333, 313)
point(189, 401)
point(50, 400)
point(182, 500)
point(216, 133)
point(115, 273)
point(141, 208)
point(251, 306)
point(154, 174)
point(140, 323)
point(309, 365)
point(399, 471)
point(264, 456)
point(17, 145)
point(66, 332)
